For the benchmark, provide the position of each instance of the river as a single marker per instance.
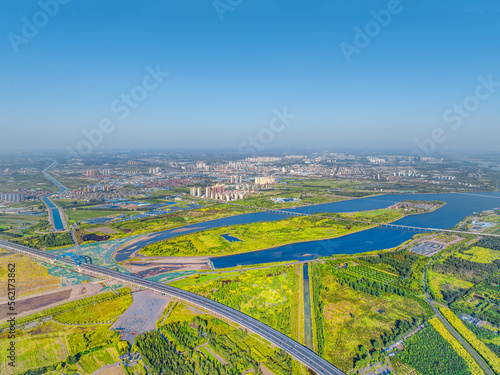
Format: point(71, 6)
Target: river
point(457, 207)
point(56, 214)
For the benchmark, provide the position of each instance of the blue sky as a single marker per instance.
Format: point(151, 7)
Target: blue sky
point(227, 76)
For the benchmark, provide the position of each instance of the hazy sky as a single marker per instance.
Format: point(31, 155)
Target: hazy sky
point(360, 73)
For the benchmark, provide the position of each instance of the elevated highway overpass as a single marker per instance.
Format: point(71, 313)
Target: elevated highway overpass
point(299, 352)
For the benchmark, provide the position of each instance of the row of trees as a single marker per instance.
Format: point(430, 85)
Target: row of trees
point(429, 353)
point(318, 305)
point(402, 261)
point(367, 285)
point(46, 240)
point(467, 270)
point(489, 242)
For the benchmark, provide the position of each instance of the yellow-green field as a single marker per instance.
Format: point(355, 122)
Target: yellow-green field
point(480, 255)
point(354, 318)
point(270, 295)
point(255, 236)
point(32, 277)
point(383, 215)
point(101, 312)
point(51, 343)
point(438, 281)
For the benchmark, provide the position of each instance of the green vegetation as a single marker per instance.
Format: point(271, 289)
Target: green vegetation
point(51, 345)
point(254, 236)
point(82, 310)
point(408, 266)
point(447, 287)
point(170, 221)
point(209, 346)
point(429, 353)
point(356, 316)
point(33, 279)
point(479, 254)
point(383, 215)
point(269, 295)
point(80, 214)
point(100, 312)
point(485, 352)
point(49, 240)
point(371, 273)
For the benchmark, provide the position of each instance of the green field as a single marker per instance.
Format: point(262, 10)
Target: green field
point(269, 295)
point(479, 255)
point(78, 215)
point(170, 221)
point(51, 343)
point(242, 351)
point(254, 236)
point(32, 277)
point(383, 215)
point(439, 282)
point(101, 312)
point(83, 311)
point(371, 273)
point(351, 318)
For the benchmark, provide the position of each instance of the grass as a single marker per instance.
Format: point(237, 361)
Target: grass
point(254, 236)
point(371, 273)
point(32, 353)
point(71, 312)
point(174, 220)
point(200, 279)
point(51, 342)
point(439, 281)
point(479, 255)
point(78, 215)
point(32, 277)
point(270, 295)
point(92, 362)
point(352, 318)
point(207, 353)
point(84, 338)
point(383, 215)
point(98, 313)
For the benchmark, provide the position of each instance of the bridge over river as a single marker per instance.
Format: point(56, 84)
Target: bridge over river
point(383, 225)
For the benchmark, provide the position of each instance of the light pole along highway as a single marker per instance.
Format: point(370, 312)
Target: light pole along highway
point(299, 352)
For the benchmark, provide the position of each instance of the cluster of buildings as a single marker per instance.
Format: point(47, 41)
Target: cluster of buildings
point(265, 180)
point(93, 173)
point(12, 197)
point(217, 192)
point(92, 189)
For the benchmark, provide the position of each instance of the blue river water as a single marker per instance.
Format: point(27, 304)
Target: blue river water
point(457, 207)
point(56, 215)
point(230, 238)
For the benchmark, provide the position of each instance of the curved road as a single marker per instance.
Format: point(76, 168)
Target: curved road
point(293, 348)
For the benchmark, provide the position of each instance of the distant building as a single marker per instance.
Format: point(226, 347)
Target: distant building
point(12, 197)
point(155, 170)
point(91, 173)
point(265, 180)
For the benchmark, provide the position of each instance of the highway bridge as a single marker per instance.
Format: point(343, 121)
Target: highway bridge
point(299, 352)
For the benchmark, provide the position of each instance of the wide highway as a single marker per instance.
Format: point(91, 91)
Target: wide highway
point(297, 351)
